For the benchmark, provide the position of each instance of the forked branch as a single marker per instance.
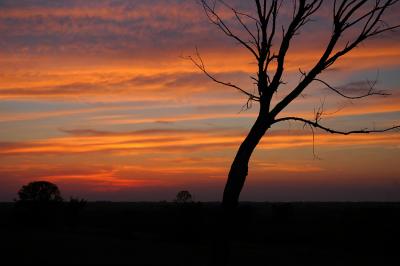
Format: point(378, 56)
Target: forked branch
point(216, 19)
point(345, 15)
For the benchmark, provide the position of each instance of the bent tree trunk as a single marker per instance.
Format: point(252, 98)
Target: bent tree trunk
point(239, 168)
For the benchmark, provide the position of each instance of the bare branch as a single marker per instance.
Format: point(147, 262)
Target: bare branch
point(200, 65)
point(268, 43)
point(316, 124)
point(344, 17)
point(313, 142)
point(371, 91)
point(256, 40)
point(371, 19)
point(214, 18)
point(265, 57)
point(246, 106)
point(304, 11)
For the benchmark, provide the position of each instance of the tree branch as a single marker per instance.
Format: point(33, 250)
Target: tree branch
point(200, 65)
point(265, 57)
point(372, 24)
point(341, 22)
point(370, 92)
point(215, 19)
point(256, 40)
point(304, 11)
point(316, 124)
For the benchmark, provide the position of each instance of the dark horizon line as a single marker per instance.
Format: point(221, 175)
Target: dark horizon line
point(241, 202)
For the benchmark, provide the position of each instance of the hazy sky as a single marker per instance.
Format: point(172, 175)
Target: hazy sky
point(95, 97)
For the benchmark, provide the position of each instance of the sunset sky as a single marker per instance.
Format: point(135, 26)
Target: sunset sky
point(96, 96)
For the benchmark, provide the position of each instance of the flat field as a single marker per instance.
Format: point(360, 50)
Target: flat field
point(200, 234)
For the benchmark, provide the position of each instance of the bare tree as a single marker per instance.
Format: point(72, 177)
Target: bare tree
point(362, 18)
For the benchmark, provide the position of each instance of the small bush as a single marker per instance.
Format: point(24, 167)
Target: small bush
point(183, 196)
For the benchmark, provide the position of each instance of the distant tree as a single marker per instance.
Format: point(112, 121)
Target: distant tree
point(267, 37)
point(40, 204)
point(40, 192)
point(183, 196)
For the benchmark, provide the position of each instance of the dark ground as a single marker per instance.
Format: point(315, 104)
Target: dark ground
point(191, 234)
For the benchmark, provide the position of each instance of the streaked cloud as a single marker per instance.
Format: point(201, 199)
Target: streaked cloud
point(177, 141)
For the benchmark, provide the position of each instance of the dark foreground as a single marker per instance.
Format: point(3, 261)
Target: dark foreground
point(192, 234)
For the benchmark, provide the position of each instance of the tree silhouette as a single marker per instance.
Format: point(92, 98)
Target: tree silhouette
point(40, 192)
point(40, 204)
point(359, 19)
point(183, 196)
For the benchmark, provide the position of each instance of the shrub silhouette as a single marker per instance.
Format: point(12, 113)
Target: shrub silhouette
point(183, 196)
point(40, 192)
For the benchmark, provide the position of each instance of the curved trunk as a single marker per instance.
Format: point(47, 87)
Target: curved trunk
point(239, 168)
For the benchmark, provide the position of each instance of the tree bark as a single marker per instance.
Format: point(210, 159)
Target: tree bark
point(239, 168)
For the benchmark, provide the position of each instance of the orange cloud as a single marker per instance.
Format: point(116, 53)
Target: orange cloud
point(295, 167)
point(165, 141)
